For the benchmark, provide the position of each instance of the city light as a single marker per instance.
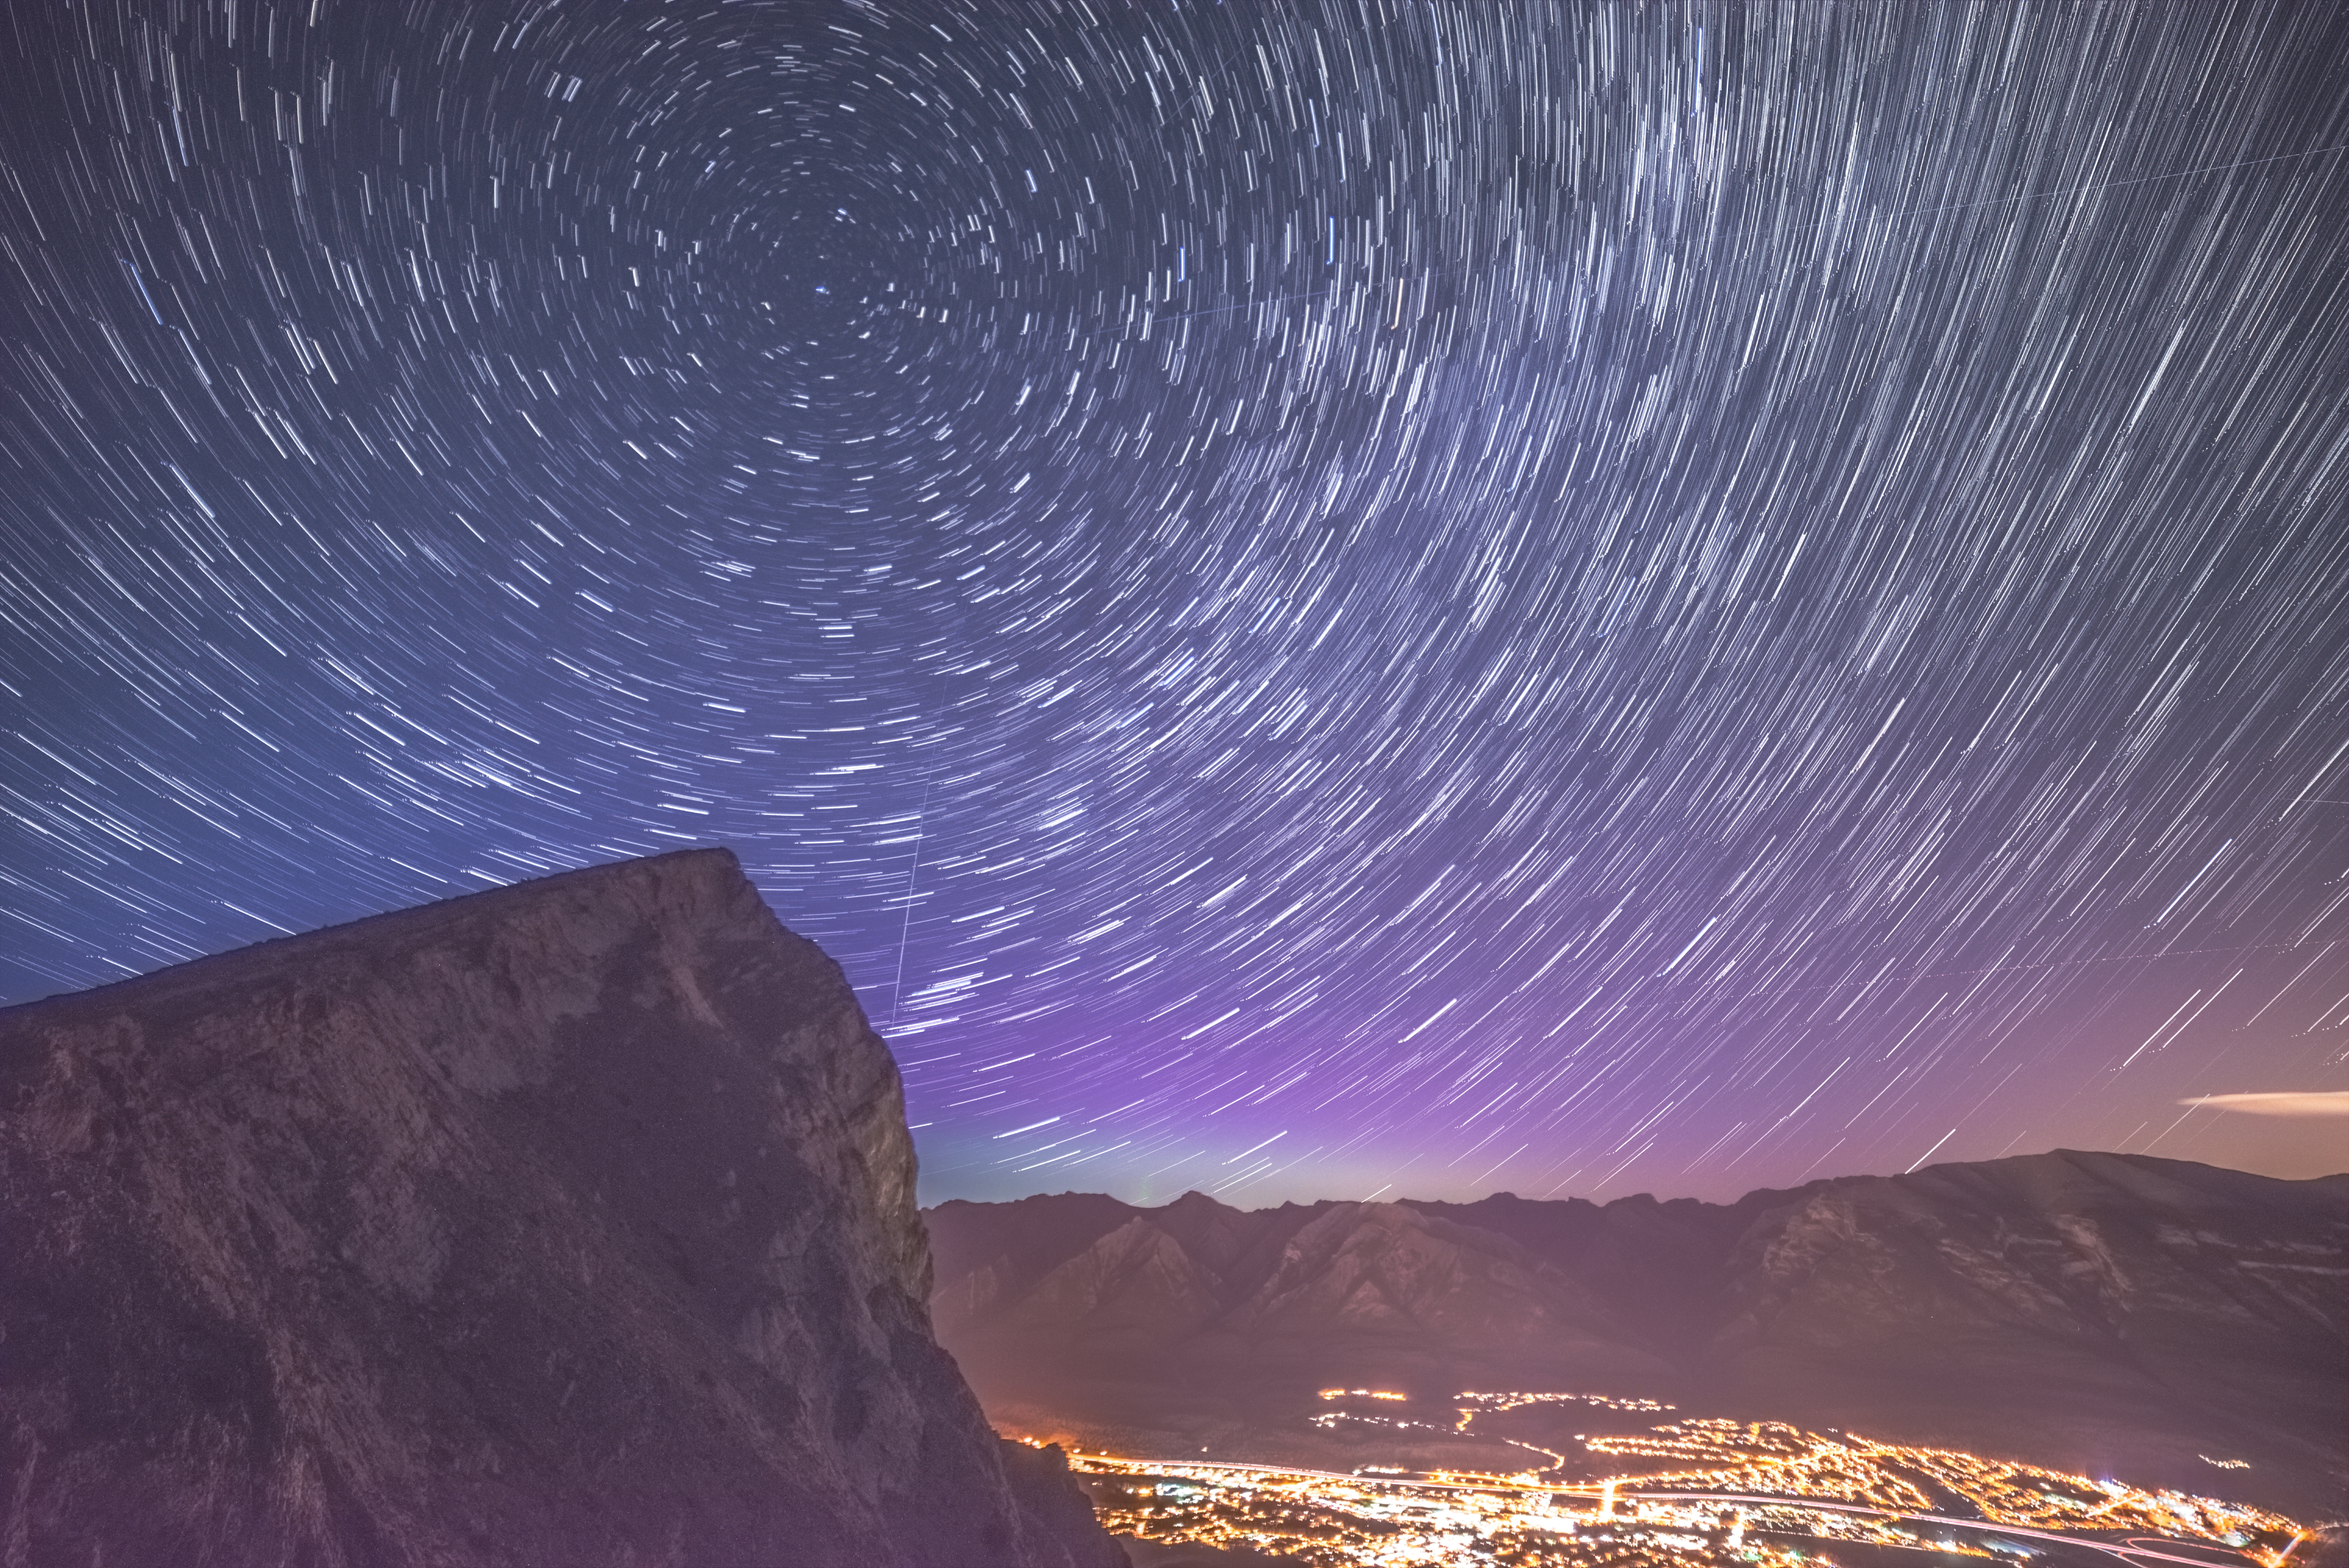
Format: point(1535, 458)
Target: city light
point(1753, 1492)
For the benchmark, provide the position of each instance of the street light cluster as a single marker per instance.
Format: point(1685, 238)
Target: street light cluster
point(1728, 1484)
point(1769, 1457)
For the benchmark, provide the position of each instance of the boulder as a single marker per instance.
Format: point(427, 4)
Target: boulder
point(567, 1223)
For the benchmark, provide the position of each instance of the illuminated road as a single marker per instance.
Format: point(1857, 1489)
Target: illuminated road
point(2136, 1549)
point(2128, 1551)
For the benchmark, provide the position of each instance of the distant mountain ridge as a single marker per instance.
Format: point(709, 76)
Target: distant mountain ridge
point(2077, 1309)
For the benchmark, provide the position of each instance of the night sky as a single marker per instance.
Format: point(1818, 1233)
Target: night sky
point(1316, 599)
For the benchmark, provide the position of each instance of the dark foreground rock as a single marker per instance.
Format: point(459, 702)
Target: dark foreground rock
point(569, 1223)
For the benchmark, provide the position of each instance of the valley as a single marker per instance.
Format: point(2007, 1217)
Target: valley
point(2175, 1326)
point(1683, 1492)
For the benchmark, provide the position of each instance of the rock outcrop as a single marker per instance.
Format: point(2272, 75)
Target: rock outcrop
point(2113, 1314)
point(569, 1223)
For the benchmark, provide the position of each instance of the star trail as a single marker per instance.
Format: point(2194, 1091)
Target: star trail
point(1314, 599)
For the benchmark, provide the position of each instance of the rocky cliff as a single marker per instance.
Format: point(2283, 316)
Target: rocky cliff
point(2105, 1313)
point(569, 1223)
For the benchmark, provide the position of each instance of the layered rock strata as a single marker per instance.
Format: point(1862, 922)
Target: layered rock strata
point(568, 1224)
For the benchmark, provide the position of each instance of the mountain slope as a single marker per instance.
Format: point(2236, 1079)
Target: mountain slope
point(2097, 1311)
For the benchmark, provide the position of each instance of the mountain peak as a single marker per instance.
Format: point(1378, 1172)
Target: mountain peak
point(2077, 1309)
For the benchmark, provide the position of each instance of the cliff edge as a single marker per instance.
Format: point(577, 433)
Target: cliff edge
point(567, 1223)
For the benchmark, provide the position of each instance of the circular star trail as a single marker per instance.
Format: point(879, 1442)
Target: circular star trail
point(1314, 599)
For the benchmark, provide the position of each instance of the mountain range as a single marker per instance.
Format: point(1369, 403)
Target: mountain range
point(2166, 1323)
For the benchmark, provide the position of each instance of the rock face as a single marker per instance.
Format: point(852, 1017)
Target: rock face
point(569, 1223)
point(2111, 1314)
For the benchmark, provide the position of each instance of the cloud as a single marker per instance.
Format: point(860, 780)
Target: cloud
point(2301, 1102)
